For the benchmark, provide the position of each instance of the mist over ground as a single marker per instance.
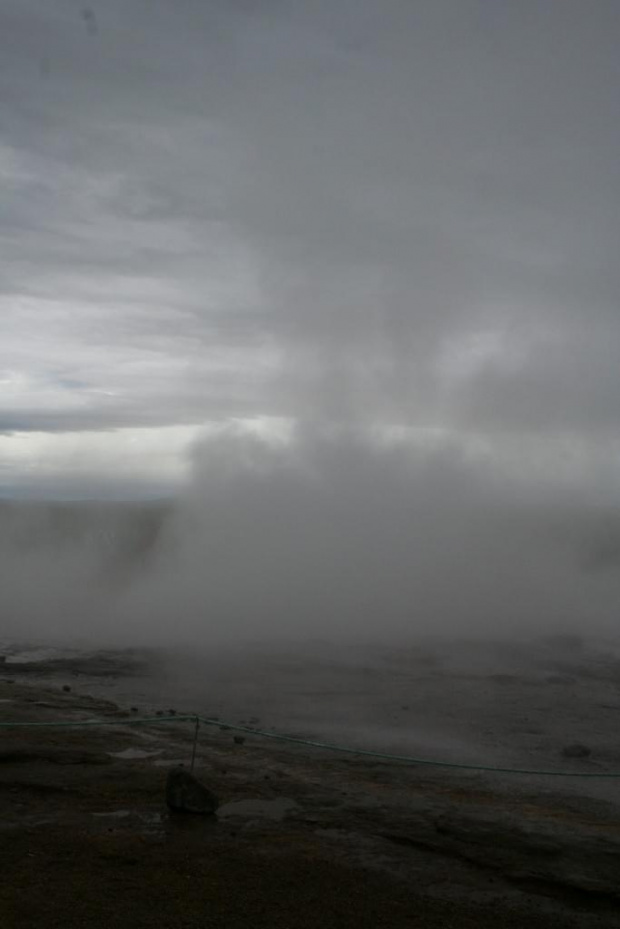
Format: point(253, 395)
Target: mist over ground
point(310, 427)
point(320, 533)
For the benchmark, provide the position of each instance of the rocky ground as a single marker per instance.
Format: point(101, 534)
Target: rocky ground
point(300, 839)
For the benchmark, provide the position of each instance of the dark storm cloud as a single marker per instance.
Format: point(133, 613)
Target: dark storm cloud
point(401, 213)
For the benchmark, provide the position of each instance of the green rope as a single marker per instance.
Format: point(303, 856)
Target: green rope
point(129, 721)
point(407, 759)
point(312, 743)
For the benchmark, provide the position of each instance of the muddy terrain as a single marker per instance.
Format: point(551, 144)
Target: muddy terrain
point(303, 837)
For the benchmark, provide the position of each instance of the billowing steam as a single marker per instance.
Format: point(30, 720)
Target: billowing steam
point(328, 534)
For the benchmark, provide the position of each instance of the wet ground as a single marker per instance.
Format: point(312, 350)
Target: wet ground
point(302, 838)
point(506, 704)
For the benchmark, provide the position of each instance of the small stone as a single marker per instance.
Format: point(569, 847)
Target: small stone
point(66, 688)
point(159, 713)
point(576, 750)
point(238, 739)
point(172, 712)
point(134, 709)
point(185, 794)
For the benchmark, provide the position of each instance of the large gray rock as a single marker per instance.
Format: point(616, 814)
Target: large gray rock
point(185, 794)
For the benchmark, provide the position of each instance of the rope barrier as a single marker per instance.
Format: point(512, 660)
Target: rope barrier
point(407, 759)
point(312, 743)
point(136, 721)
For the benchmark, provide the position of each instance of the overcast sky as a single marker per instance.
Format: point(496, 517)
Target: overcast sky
point(397, 215)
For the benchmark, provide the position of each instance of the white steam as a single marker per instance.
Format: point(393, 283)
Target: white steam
point(326, 535)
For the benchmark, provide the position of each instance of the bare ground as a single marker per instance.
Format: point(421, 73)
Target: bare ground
point(86, 841)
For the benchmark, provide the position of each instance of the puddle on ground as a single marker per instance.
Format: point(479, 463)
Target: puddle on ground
point(142, 817)
point(151, 819)
point(131, 754)
point(258, 809)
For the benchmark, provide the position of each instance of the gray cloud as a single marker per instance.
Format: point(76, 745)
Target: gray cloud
point(397, 214)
